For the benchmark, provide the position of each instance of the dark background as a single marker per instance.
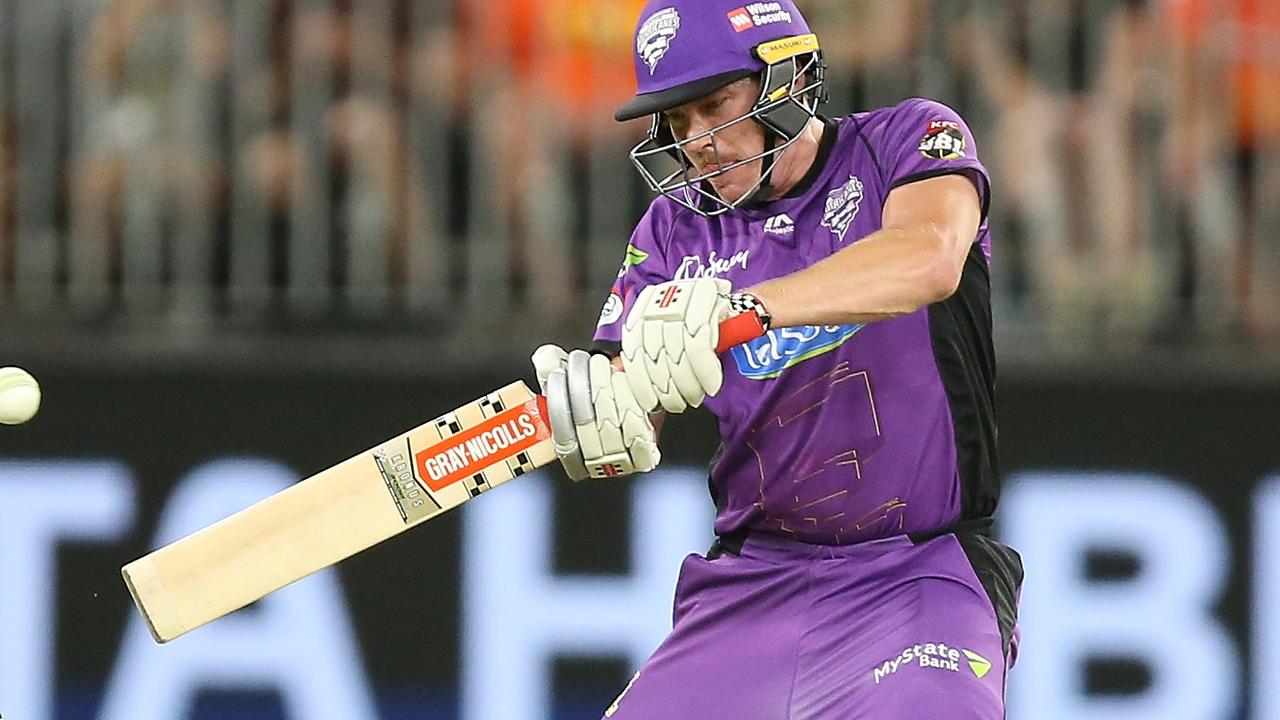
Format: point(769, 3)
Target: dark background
point(1212, 431)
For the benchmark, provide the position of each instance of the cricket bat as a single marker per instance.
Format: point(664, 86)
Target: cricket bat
point(352, 506)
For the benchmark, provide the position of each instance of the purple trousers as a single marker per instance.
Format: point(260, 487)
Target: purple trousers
point(885, 630)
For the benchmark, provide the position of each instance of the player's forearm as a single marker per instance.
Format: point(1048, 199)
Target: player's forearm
point(892, 272)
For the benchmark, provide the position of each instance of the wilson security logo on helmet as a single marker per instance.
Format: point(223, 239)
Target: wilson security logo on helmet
point(721, 42)
point(758, 15)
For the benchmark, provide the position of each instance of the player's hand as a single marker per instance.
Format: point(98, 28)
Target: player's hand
point(598, 427)
point(669, 343)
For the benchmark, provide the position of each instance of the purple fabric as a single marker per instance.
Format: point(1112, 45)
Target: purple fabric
point(679, 41)
point(832, 435)
point(885, 630)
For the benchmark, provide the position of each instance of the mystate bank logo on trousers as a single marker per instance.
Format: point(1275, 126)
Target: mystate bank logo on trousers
point(939, 657)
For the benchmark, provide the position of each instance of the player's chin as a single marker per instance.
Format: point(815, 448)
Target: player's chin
point(730, 191)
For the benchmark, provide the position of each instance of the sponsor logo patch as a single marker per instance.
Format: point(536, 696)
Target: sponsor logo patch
point(943, 140)
point(766, 357)
point(978, 664)
point(653, 40)
point(757, 15)
point(741, 19)
point(635, 256)
point(842, 207)
point(933, 656)
point(780, 225)
point(612, 311)
point(693, 267)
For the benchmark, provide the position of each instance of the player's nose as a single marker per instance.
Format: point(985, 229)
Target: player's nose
point(705, 148)
point(699, 130)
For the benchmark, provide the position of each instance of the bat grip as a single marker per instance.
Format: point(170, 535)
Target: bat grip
point(738, 329)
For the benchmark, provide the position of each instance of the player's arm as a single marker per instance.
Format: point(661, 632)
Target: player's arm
point(669, 340)
point(916, 259)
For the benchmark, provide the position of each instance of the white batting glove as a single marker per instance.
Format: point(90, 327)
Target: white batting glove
point(669, 343)
point(598, 428)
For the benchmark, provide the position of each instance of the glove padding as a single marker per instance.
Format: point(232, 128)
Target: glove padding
point(669, 343)
point(598, 428)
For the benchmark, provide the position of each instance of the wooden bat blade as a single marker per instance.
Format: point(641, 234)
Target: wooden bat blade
point(340, 511)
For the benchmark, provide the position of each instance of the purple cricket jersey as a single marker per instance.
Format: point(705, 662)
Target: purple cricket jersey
point(843, 434)
point(873, 445)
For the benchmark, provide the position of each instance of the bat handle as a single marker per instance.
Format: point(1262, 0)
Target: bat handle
point(738, 329)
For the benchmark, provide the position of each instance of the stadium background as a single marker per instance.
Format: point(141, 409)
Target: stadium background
point(243, 239)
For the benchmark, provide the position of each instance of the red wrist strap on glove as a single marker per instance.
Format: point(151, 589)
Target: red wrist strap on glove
point(739, 329)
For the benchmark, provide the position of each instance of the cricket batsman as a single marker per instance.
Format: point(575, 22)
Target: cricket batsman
point(854, 575)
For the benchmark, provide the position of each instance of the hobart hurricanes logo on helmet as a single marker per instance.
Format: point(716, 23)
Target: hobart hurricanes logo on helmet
point(655, 36)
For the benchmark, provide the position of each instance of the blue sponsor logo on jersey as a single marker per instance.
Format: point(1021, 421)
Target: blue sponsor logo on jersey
point(766, 357)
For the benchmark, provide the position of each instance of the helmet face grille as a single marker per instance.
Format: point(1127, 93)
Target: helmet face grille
point(790, 92)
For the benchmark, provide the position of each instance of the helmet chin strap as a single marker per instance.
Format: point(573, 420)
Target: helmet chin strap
point(764, 193)
point(777, 127)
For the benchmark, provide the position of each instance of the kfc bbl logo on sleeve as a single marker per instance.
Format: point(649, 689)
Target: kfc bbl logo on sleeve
point(943, 140)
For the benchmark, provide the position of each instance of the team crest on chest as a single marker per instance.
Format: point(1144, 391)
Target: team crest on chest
point(842, 207)
point(655, 36)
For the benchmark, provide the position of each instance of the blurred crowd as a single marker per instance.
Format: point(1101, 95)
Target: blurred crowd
point(1135, 147)
point(399, 148)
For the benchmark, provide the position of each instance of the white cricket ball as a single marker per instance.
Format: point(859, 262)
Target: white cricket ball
point(19, 396)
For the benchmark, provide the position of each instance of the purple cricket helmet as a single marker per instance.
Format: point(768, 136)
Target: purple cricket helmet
point(685, 49)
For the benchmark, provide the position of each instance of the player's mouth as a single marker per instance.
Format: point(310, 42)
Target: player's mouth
point(713, 167)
